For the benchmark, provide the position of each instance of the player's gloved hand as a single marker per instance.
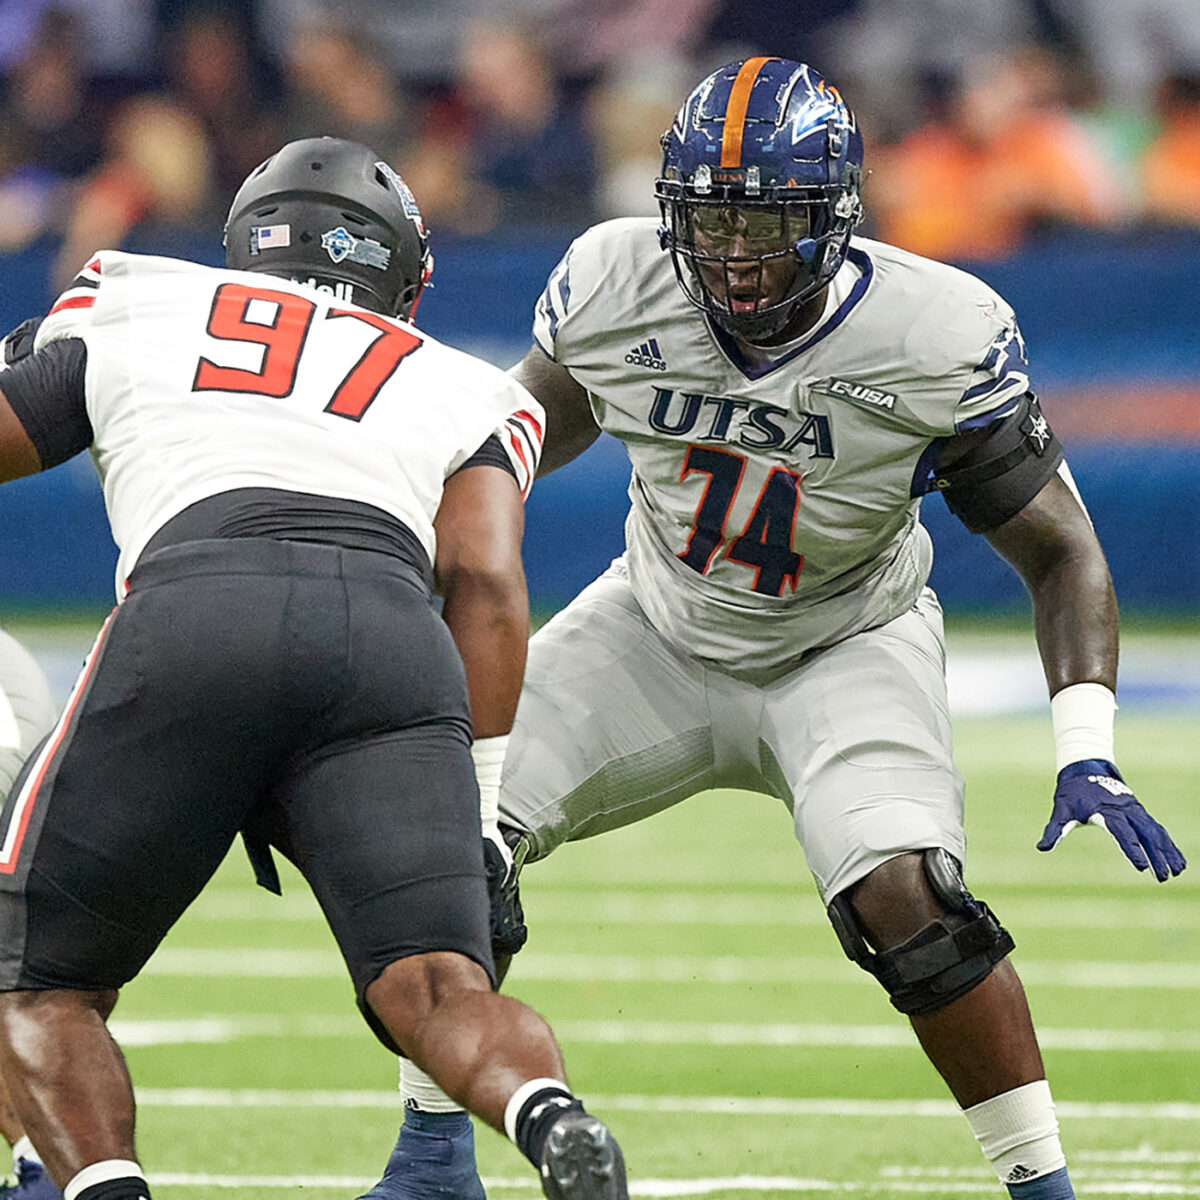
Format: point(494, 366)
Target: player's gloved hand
point(1092, 792)
point(508, 919)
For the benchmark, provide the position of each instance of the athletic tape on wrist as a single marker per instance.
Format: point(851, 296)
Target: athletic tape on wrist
point(488, 757)
point(1082, 715)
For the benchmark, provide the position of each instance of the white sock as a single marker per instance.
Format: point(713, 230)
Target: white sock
point(418, 1091)
point(1018, 1132)
point(23, 1148)
point(103, 1172)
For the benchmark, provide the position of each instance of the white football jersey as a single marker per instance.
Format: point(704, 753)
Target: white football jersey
point(774, 505)
point(201, 380)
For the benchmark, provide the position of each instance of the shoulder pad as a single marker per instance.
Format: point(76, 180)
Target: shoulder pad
point(18, 344)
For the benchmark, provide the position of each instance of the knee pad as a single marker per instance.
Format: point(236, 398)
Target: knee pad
point(939, 963)
point(504, 894)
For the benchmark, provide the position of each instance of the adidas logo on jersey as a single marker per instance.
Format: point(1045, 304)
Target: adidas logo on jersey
point(647, 355)
point(1020, 1173)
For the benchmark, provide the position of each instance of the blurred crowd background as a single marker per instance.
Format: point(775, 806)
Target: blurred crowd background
point(1052, 146)
point(987, 122)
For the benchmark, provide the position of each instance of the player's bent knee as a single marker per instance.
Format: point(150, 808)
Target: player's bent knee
point(941, 962)
point(407, 990)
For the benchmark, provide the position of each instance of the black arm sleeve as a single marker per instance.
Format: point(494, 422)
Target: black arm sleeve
point(1002, 471)
point(490, 454)
point(45, 391)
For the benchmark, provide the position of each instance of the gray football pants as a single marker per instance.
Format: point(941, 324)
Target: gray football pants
point(616, 723)
point(27, 709)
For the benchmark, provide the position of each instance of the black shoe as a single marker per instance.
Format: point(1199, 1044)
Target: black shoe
point(582, 1161)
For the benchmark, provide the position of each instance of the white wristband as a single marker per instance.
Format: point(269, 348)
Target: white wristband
point(488, 756)
point(1082, 715)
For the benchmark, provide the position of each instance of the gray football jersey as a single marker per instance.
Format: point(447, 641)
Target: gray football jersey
point(775, 505)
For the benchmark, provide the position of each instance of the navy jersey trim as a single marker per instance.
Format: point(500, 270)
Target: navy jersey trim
point(753, 371)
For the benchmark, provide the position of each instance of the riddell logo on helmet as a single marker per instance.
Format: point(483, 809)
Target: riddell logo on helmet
point(339, 290)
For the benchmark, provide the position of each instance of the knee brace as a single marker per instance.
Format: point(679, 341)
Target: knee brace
point(939, 963)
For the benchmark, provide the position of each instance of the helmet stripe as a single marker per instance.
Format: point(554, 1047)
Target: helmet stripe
point(735, 112)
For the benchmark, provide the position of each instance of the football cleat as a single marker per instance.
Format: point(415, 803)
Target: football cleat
point(582, 1161)
point(32, 1183)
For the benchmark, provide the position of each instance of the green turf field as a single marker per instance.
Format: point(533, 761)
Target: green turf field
point(707, 1012)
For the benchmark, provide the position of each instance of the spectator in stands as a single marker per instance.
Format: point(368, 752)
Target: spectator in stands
point(29, 190)
point(897, 59)
point(627, 111)
point(209, 64)
point(48, 101)
point(525, 134)
point(337, 84)
point(1007, 160)
point(804, 30)
point(1171, 168)
point(155, 191)
point(591, 39)
point(1134, 44)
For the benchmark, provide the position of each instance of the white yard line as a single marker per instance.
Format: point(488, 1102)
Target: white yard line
point(221, 1029)
point(690, 1187)
point(725, 1106)
point(553, 903)
point(633, 968)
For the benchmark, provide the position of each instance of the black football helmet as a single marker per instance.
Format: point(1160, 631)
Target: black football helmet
point(332, 214)
point(759, 192)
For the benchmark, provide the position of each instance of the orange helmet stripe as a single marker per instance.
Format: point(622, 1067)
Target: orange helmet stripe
point(735, 113)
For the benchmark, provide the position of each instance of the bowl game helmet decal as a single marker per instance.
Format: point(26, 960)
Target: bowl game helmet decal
point(759, 191)
point(330, 213)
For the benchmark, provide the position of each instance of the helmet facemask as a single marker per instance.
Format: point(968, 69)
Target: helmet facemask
point(750, 265)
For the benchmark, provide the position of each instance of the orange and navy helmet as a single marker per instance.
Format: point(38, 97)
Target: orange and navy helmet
point(761, 173)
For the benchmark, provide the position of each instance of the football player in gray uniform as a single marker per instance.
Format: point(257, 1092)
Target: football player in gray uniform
point(27, 712)
point(787, 393)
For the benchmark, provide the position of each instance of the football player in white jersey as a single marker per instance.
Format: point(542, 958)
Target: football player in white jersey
point(289, 466)
point(787, 394)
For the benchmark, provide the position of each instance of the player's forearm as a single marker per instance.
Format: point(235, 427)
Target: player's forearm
point(1052, 546)
point(1075, 618)
point(489, 621)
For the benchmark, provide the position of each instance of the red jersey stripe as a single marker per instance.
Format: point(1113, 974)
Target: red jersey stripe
point(72, 302)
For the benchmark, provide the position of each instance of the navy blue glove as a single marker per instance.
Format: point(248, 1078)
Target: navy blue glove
point(1092, 792)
